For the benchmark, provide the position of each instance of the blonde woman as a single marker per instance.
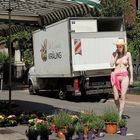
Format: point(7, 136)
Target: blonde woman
point(122, 75)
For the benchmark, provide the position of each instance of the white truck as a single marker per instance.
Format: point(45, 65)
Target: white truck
point(72, 56)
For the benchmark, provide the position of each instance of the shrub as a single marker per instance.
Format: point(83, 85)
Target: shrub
point(3, 57)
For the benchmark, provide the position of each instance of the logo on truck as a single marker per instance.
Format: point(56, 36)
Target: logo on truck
point(77, 46)
point(49, 51)
point(43, 51)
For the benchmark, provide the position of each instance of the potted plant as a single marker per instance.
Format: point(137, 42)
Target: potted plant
point(62, 121)
point(84, 117)
point(91, 127)
point(44, 130)
point(3, 122)
point(23, 118)
point(32, 133)
point(11, 119)
point(79, 130)
point(70, 132)
point(111, 118)
point(123, 127)
point(70, 127)
point(100, 126)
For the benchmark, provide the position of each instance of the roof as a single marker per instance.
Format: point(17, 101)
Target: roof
point(38, 12)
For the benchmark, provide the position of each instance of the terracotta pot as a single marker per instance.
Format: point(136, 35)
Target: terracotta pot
point(123, 131)
point(111, 127)
point(85, 130)
point(63, 130)
point(60, 135)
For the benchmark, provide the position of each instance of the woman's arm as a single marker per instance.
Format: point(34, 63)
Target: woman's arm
point(130, 68)
point(113, 59)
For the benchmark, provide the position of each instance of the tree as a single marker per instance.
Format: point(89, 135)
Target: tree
point(133, 32)
point(115, 8)
point(24, 39)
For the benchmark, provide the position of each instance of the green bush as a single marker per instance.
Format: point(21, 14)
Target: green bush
point(3, 57)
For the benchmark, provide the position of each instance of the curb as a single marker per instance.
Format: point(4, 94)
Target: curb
point(127, 102)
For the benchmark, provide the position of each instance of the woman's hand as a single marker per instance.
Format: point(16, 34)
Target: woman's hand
point(131, 82)
point(115, 54)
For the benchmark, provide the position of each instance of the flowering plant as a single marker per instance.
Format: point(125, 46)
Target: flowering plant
point(42, 126)
point(32, 132)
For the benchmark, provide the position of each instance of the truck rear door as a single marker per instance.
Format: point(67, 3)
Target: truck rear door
point(91, 48)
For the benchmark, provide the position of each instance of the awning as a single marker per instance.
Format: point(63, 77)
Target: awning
point(90, 3)
point(38, 12)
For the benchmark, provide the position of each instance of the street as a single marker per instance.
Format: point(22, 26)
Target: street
point(50, 104)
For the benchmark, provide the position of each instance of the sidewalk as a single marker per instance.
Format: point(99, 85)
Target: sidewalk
point(133, 98)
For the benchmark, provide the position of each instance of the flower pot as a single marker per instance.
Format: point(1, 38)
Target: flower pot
point(111, 127)
point(100, 133)
point(60, 135)
point(63, 130)
point(81, 136)
point(85, 130)
point(90, 135)
point(123, 131)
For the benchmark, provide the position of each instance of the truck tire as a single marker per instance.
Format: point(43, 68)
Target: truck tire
point(104, 97)
point(32, 91)
point(62, 94)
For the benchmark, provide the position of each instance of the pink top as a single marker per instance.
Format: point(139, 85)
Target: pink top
point(114, 79)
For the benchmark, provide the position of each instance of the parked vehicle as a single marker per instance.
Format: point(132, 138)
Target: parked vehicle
point(72, 56)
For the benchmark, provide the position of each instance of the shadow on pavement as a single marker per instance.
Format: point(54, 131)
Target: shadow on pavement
point(19, 106)
point(103, 97)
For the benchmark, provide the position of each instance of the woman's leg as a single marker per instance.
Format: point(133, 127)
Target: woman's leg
point(124, 87)
point(116, 97)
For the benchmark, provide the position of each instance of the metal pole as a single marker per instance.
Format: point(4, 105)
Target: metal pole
point(9, 12)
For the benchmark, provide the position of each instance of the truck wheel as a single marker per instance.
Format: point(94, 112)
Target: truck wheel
point(32, 91)
point(62, 95)
point(104, 97)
